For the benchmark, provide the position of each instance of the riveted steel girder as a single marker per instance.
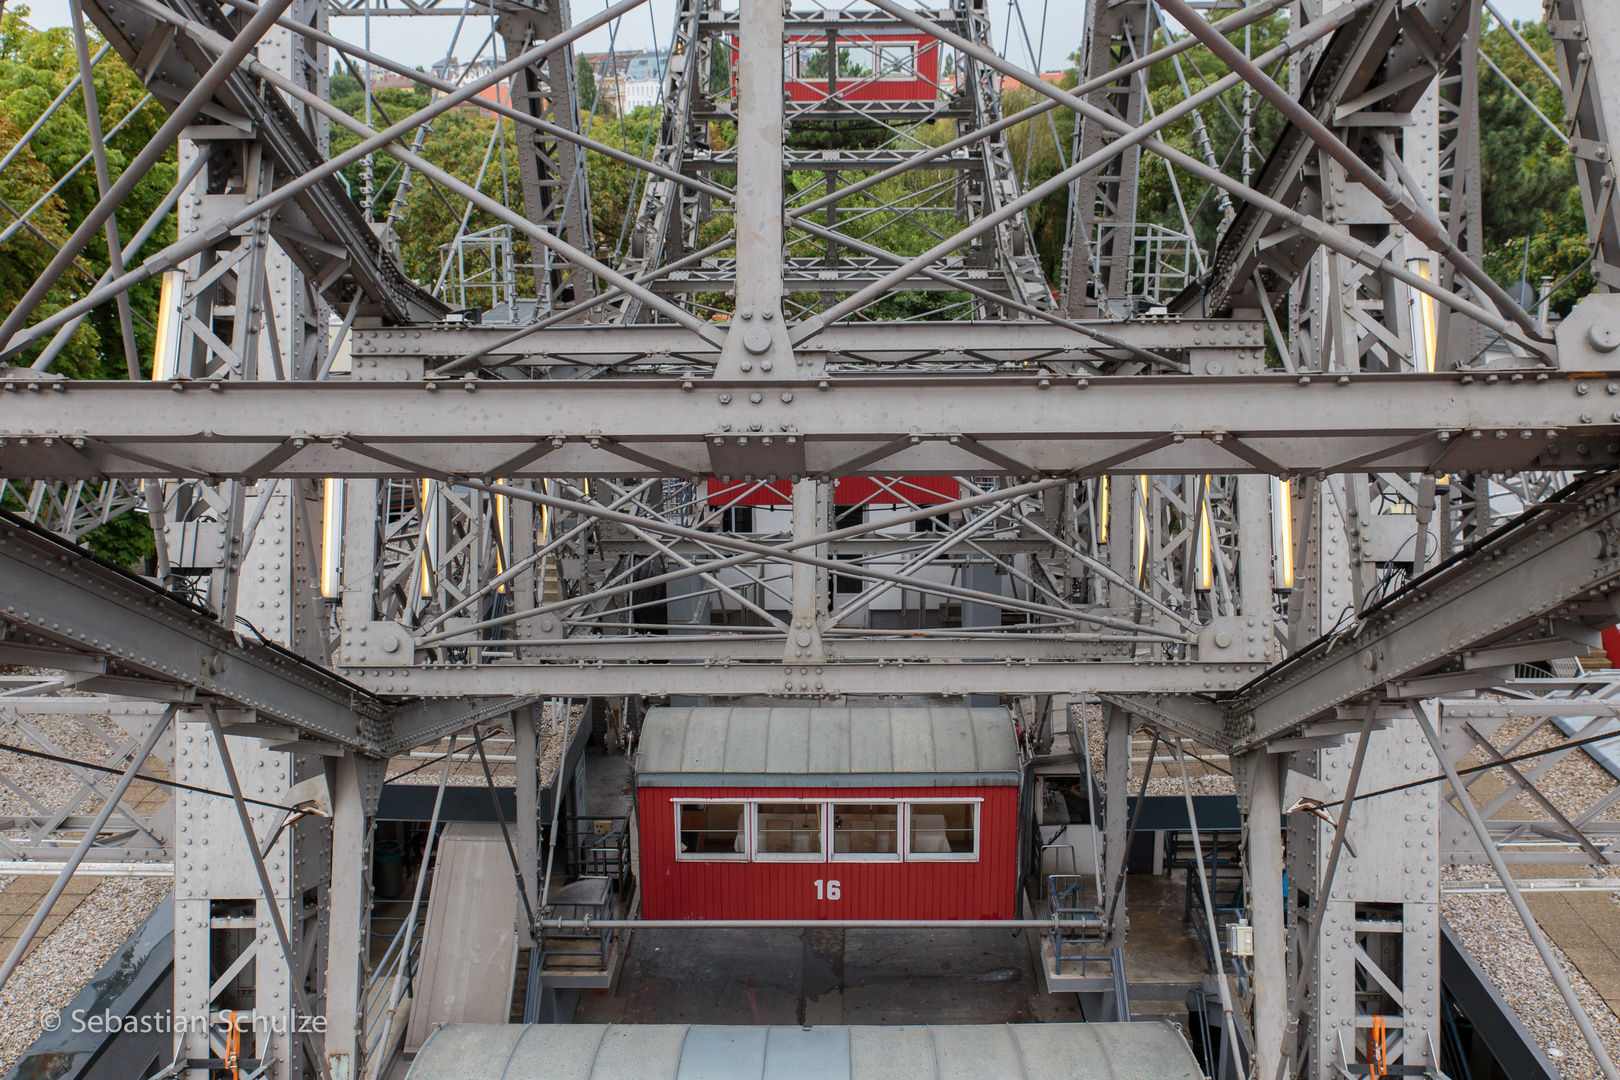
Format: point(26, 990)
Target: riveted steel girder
point(1561, 559)
point(834, 427)
point(55, 594)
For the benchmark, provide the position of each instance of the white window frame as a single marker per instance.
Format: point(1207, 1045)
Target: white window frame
point(751, 854)
point(895, 856)
point(803, 51)
point(905, 72)
point(944, 856)
point(787, 856)
point(745, 855)
point(857, 49)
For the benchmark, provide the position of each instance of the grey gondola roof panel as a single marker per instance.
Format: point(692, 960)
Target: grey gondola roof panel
point(827, 747)
point(1139, 1051)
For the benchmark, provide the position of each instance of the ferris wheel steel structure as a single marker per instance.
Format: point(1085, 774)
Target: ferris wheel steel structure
point(824, 428)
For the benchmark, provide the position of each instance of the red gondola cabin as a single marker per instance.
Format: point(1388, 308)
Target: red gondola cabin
point(784, 813)
point(874, 64)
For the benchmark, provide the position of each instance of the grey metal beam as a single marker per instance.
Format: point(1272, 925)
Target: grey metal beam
point(1054, 424)
point(325, 216)
point(180, 116)
point(416, 722)
point(1399, 205)
point(1196, 718)
point(1562, 554)
point(52, 592)
point(176, 253)
point(721, 678)
point(858, 340)
point(893, 546)
point(699, 645)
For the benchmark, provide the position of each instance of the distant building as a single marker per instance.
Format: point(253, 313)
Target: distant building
point(455, 71)
point(644, 78)
point(609, 70)
point(387, 80)
point(1010, 83)
point(627, 80)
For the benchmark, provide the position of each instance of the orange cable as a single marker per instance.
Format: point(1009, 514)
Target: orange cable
point(233, 1048)
point(1377, 1049)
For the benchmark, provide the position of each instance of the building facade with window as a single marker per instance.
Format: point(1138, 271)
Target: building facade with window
point(826, 813)
point(644, 78)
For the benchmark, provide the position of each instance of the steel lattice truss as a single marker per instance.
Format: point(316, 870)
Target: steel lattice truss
point(821, 426)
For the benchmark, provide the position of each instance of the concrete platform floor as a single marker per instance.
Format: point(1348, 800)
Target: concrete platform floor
point(832, 976)
point(828, 977)
point(1163, 959)
point(1585, 925)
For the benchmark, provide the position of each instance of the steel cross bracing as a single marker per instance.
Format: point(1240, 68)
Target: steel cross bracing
point(1383, 61)
point(118, 634)
point(321, 230)
point(1100, 255)
point(877, 130)
point(72, 510)
point(758, 478)
point(447, 545)
point(556, 191)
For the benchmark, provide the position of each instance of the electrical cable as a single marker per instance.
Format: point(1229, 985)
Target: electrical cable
point(434, 761)
point(1207, 764)
point(1526, 756)
point(151, 779)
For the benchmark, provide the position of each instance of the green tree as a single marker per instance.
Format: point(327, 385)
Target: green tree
point(35, 66)
point(852, 64)
point(1534, 225)
point(585, 80)
point(719, 69)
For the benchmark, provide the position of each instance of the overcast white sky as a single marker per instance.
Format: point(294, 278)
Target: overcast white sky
point(419, 40)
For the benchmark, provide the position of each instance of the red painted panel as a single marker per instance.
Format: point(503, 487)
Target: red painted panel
point(925, 87)
point(869, 890)
point(847, 491)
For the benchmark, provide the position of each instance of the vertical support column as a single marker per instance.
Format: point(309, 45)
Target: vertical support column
point(1264, 866)
point(1102, 204)
point(1305, 603)
point(1460, 339)
point(522, 589)
point(1335, 577)
point(360, 518)
point(1116, 816)
point(281, 570)
point(1121, 537)
point(757, 346)
point(1254, 550)
point(1356, 491)
point(222, 920)
point(349, 898)
point(1584, 37)
point(1383, 911)
point(555, 192)
point(804, 645)
point(527, 780)
point(297, 316)
point(759, 154)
